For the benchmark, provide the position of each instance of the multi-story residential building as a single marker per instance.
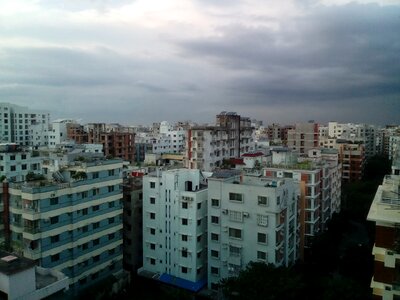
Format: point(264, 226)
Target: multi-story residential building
point(304, 137)
point(319, 180)
point(385, 212)
point(133, 237)
point(15, 122)
point(175, 228)
point(72, 221)
point(208, 146)
point(251, 218)
point(352, 157)
point(16, 162)
point(117, 141)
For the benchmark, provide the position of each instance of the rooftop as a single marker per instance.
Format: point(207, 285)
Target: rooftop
point(11, 264)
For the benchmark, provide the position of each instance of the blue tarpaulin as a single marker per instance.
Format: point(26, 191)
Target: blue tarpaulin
point(183, 283)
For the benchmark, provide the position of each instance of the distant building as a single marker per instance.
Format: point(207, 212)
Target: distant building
point(250, 218)
point(304, 137)
point(117, 141)
point(15, 122)
point(208, 146)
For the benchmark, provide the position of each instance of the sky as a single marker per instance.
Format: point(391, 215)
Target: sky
point(143, 61)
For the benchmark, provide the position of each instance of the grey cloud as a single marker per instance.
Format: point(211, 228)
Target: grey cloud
point(78, 5)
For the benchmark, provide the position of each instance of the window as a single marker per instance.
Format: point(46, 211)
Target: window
point(54, 201)
point(236, 197)
point(96, 242)
point(84, 211)
point(152, 246)
point(152, 231)
point(234, 251)
point(184, 270)
point(152, 216)
point(215, 237)
point(24, 167)
point(262, 238)
point(214, 270)
point(85, 228)
point(152, 185)
point(110, 188)
point(111, 172)
point(198, 205)
point(111, 204)
point(96, 225)
point(13, 168)
point(262, 200)
point(111, 236)
point(111, 252)
point(184, 205)
point(96, 258)
point(95, 175)
point(54, 220)
point(184, 253)
point(214, 253)
point(262, 220)
point(184, 238)
point(85, 246)
point(55, 257)
point(95, 192)
point(55, 238)
point(152, 200)
point(261, 255)
point(215, 202)
point(235, 233)
point(198, 222)
point(184, 221)
point(111, 220)
point(152, 261)
point(214, 220)
point(235, 216)
point(199, 238)
point(95, 208)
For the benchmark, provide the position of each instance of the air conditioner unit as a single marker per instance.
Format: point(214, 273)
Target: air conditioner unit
point(246, 214)
point(52, 194)
point(224, 211)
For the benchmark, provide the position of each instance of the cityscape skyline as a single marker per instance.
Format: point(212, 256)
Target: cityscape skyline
point(138, 62)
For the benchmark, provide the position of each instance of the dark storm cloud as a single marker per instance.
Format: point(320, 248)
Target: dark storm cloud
point(331, 54)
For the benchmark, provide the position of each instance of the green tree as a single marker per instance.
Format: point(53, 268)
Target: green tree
point(264, 281)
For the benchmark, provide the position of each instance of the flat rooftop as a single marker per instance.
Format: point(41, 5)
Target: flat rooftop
point(12, 264)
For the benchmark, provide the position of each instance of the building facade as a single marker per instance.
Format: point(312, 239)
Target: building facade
point(304, 137)
point(72, 221)
point(175, 228)
point(251, 218)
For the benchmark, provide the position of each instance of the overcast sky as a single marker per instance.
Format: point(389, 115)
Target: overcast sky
point(143, 61)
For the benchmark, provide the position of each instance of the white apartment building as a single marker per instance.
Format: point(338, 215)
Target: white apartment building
point(43, 135)
point(16, 163)
point(15, 122)
point(367, 134)
point(208, 146)
point(175, 228)
point(251, 218)
point(165, 139)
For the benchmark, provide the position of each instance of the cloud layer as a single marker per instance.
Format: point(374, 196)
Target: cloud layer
point(141, 61)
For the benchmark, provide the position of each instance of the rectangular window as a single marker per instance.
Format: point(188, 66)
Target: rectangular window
point(261, 238)
point(95, 175)
point(214, 220)
point(262, 200)
point(184, 253)
point(235, 216)
point(236, 197)
point(214, 253)
point(152, 261)
point(184, 270)
point(184, 238)
point(84, 211)
point(152, 216)
point(262, 220)
point(96, 242)
point(96, 225)
point(261, 255)
point(152, 185)
point(111, 204)
point(215, 237)
point(96, 258)
point(54, 220)
point(95, 208)
point(215, 202)
point(184, 221)
point(214, 270)
point(54, 201)
point(152, 246)
point(184, 205)
point(110, 188)
point(152, 200)
point(55, 257)
point(111, 220)
point(111, 236)
point(234, 251)
point(235, 233)
point(55, 238)
point(85, 246)
point(152, 231)
point(198, 205)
